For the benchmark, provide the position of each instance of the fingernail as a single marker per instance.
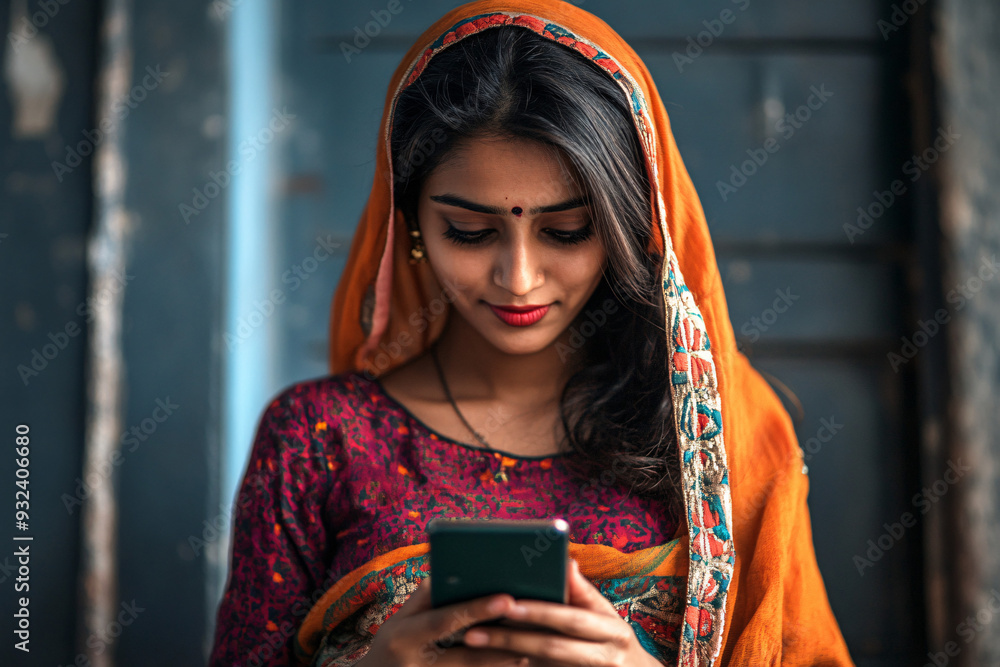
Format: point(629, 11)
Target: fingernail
point(517, 610)
point(475, 637)
point(497, 605)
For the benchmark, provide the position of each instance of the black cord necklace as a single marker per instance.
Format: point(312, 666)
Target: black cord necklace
point(447, 392)
point(502, 475)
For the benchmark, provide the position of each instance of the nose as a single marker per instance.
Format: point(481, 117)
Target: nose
point(518, 269)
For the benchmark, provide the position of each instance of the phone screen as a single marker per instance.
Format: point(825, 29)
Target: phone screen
point(474, 558)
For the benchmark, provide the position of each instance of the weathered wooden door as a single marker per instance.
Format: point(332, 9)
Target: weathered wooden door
point(792, 121)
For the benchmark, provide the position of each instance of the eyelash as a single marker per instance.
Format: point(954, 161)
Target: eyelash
point(475, 238)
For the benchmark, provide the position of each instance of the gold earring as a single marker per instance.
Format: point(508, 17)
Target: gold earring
point(417, 249)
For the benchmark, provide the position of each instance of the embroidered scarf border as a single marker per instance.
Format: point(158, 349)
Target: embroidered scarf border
point(697, 405)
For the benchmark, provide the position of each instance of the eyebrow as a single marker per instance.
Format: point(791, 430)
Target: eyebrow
point(455, 200)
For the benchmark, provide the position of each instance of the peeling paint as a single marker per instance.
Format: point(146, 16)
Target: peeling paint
point(967, 60)
point(35, 78)
point(106, 250)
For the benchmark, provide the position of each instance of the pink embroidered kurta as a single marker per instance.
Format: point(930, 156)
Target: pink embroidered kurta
point(341, 472)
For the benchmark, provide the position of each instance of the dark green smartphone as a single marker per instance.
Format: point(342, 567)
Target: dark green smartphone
point(474, 558)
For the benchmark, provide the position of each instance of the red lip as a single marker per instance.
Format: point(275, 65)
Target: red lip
point(520, 309)
point(519, 316)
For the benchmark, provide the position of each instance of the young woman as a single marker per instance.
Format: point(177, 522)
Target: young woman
point(530, 325)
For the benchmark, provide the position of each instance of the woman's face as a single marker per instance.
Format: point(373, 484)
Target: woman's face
point(504, 222)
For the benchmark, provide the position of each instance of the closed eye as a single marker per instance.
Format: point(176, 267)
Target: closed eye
point(466, 238)
point(565, 237)
point(573, 236)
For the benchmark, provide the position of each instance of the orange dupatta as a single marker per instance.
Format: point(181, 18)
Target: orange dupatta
point(754, 594)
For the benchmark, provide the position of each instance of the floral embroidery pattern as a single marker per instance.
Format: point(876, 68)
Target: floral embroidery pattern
point(340, 473)
point(697, 405)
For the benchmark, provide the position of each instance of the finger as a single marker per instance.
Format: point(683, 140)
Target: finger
point(541, 646)
point(561, 619)
point(445, 621)
point(462, 656)
point(583, 593)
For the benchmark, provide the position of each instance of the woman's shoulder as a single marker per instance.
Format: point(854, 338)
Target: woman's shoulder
point(310, 425)
point(331, 395)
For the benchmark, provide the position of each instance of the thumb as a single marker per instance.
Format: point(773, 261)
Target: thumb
point(582, 593)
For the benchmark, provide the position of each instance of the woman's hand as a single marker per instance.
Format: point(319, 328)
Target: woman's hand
point(590, 631)
point(409, 638)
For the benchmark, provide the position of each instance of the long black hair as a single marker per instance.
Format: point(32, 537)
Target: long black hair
point(508, 82)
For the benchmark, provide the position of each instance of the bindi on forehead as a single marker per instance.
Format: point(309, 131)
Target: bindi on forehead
point(516, 211)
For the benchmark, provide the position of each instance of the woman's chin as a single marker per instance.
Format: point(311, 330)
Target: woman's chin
point(512, 341)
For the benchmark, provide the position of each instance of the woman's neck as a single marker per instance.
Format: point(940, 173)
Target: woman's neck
point(476, 369)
